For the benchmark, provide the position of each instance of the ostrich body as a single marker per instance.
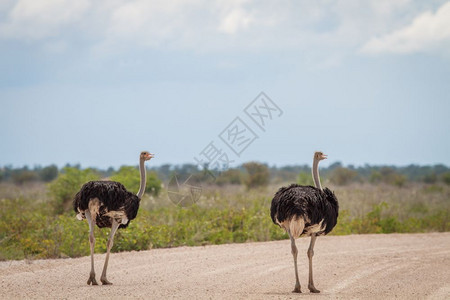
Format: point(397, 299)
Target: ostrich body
point(305, 210)
point(108, 204)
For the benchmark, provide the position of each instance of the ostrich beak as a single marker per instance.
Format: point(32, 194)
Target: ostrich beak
point(324, 156)
point(150, 155)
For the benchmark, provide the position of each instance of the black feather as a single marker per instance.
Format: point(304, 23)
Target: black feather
point(298, 201)
point(113, 196)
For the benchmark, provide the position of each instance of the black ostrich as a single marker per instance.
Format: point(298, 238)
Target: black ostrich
point(305, 210)
point(108, 204)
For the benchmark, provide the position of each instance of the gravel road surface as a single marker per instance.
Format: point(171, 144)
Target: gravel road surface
point(384, 266)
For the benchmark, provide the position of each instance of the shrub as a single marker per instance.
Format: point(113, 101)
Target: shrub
point(63, 189)
point(22, 176)
point(446, 178)
point(398, 180)
point(430, 178)
point(230, 176)
point(304, 178)
point(342, 176)
point(49, 173)
point(343, 225)
point(375, 177)
point(258, 174)
point(129, 176)
point(390, 176)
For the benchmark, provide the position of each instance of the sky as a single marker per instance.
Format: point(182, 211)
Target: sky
point(95, 82)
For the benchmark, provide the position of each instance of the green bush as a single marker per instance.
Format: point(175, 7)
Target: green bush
point(446, 178)
point(377, 222)
point(130, 178)
point(390, 176)
point(20, 177)
point(49, 173)
point(63, 189)
point(398, 180)
point(304, 178)
point(343, 176)
point(343, 225)
point(257, 175)
point(230, 176)
point(375, 177)
point(430, 178)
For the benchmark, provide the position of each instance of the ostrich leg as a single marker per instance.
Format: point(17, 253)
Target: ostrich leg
point(91, 223)
point(294, 251)
point(109, 245)
point(311, 287)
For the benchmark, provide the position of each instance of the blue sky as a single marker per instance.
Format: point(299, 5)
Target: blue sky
point(95, 82)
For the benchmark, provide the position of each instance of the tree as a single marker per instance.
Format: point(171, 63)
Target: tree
point(129, 176)
point(430, 178)
point(375, 177)
point(230, 176)
point(343, 176)
point(24, 175)
point(258, 174)
point(446, 178)
point(390, 176)
point(49, 173)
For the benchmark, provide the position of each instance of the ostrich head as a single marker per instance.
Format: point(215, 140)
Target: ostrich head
point(145, 155)
point(319, 156)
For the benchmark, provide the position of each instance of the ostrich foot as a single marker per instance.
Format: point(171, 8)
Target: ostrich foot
point(105, 281)
point(312, 289)
point(297, 289)
point(92, 280)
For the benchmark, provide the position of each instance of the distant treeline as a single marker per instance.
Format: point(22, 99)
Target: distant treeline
point(336, 173)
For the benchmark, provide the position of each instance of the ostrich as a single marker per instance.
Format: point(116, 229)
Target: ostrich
point(108, 204)
point(305, 210)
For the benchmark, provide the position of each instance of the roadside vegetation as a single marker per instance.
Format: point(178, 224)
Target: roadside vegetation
point(37, 219)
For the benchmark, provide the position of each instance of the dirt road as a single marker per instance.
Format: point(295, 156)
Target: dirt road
point(403, 266)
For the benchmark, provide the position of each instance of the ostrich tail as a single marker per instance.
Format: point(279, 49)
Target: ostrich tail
point(80, 216)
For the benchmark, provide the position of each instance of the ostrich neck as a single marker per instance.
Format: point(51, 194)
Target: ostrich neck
point(315, 174)
point(143, 179)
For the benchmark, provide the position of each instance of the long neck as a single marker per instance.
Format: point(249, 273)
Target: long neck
point(315, 173)
point(143, 179)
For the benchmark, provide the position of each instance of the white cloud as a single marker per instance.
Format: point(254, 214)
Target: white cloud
point(324, 31)
point(143, 17)
point(428, 32)
point(31, 19)
point(237, 19)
